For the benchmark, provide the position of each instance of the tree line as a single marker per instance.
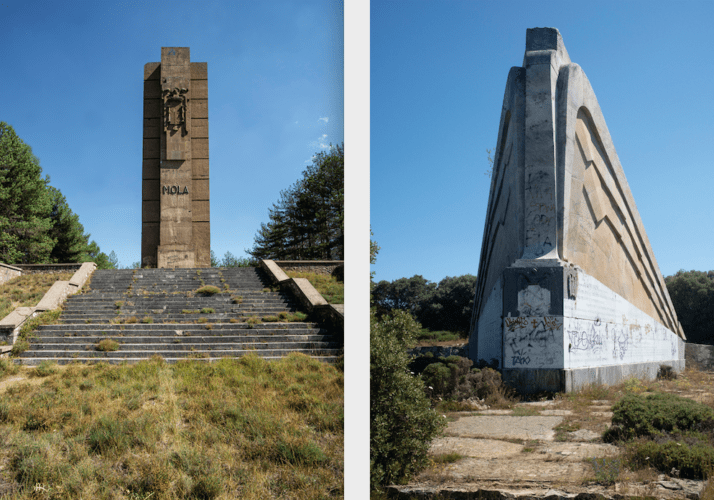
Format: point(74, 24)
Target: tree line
point(37, 226)
point(692, 294)
point(307, 222)
point(446, 305)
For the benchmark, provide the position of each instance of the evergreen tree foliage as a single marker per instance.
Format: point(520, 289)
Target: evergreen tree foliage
point(692, 294)
point(25, 203)
point(443, 306)
point(307, 222)
point(36, 224)
point(402, 420)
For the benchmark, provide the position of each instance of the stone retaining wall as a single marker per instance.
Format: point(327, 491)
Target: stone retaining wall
point(49, 268)
point(325, 267)
point(8, 272)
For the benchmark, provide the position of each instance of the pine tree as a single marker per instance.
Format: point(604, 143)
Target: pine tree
point(25, 203)
point(307, 222)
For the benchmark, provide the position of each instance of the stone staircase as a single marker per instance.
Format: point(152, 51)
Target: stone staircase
point(148, 312)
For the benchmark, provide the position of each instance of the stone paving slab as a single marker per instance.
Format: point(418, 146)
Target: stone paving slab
point(504, 427)
point(477, 448)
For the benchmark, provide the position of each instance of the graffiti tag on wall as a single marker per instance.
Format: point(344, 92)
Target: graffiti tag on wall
point(533, 341)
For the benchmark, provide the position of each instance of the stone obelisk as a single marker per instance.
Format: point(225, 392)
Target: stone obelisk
point(175, 196)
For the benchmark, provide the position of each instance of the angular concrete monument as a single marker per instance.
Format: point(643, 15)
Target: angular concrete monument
point(569, 291)
point(176, 229)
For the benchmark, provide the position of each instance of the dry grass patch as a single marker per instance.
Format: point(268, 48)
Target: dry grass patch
point(329, 287)
point(243, 428)
point(27, 291)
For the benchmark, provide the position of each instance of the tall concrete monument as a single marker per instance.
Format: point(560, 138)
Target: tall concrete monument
point(176, 229)
point(569, 291)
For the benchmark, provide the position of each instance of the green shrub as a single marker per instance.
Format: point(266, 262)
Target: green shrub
point(402, 420)
point(636, 416)
point(19, 347)
point(454, 378)
point(107, 345)
point(147, 319)
point(692, 461)
point(270, 319)
point(8, 367)
point(207, 310)
point(208, 290)
point(45, 369)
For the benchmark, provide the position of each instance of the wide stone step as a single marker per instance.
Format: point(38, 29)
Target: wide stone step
point(276, 326)
point(45, 341)
point(40, 349)
point(173, 353)
point(116, 361)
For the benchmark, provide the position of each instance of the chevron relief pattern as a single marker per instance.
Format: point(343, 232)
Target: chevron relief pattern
point(608, 207)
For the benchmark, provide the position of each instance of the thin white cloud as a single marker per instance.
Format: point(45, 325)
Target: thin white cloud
point(324, 119)
point(321, 142)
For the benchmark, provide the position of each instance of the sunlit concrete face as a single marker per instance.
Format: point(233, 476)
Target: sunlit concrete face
point(569, 291)
point(175, 193)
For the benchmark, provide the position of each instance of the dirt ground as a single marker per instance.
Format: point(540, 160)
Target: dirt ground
point(543, 449)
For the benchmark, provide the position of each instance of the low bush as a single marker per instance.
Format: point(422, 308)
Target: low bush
point(107, 345)
point(208, 290)
point(45, 369)
point(208, 310)
point(453, 378)
point(693, 461)
point(655, 414)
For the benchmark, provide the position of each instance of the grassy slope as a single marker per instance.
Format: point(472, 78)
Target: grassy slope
point(27, 291)
point(236, 428)
point(328, 286)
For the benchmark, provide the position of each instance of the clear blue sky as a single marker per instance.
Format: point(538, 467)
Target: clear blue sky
point(438, 73)
point(71, 84)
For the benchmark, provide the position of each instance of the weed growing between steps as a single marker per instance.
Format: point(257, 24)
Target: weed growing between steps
point(27, 291)
point(243, 428)
point(207, 291)
point(107, 345)
point(329, 287)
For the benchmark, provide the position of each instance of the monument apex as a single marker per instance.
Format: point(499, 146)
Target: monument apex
point(176, 229)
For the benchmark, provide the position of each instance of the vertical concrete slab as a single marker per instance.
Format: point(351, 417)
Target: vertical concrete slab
point(175, 132)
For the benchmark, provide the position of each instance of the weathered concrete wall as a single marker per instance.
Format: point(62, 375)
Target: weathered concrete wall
point(8, 272)
point(699, 356)
point(48, 268)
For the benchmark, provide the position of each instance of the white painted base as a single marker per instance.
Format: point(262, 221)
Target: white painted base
point(601, 328)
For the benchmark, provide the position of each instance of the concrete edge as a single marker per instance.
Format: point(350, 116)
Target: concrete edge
point(534, 380)
point(54, 297)
point(13, 268)
point(307, 295)
point(80, 277)
point(273, 270)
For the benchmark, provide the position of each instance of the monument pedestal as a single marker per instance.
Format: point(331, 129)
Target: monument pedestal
point(175, 256)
